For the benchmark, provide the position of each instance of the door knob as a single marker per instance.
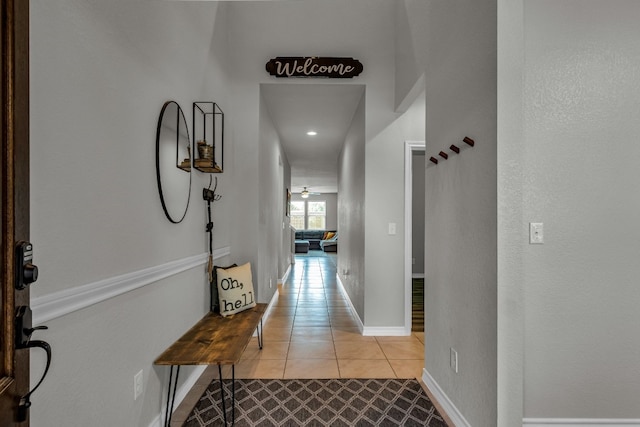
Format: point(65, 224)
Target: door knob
point(23, 333)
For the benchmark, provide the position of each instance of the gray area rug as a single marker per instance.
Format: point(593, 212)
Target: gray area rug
point(334, 402)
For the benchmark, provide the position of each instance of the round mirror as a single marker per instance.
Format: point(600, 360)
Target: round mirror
point(173, 162)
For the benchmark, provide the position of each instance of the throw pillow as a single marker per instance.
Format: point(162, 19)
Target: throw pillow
point(215, 308)
point(329, 235)
point(235, 289)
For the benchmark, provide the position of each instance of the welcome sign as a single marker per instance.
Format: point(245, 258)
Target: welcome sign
point(312, 66)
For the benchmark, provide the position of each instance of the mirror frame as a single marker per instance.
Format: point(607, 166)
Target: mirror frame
point(180, 115)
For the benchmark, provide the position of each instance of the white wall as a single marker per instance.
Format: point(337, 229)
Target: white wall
point(275, 233)
point(355, 28)
point(572, 103)
point(511, 228)
point(460, 205)
point(100, 72)
point(580, 178)
point(384, 204)
point(408, 65)
point(351, 202)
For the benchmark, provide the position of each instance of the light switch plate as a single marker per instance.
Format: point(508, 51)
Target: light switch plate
point(138, 385)
point(392, 228)
point(536, 233)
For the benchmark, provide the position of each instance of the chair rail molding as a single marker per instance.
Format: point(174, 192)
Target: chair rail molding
point(61, 303)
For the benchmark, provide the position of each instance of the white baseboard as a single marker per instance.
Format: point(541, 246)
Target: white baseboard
point(380, 331)
point(459, 421)
point(61, 303)
point(580, 422)
point(181, 393)
point(285, 276)
point(447, 405)
point(353, 309)
point(386, 331)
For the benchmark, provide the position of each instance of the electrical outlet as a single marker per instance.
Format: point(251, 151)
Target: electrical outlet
point(138, 385)
point(454, 360)
point(270, 283)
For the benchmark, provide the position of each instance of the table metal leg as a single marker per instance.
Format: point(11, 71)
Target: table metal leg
point(224, 406)
point(233, 394)
point(171, 397)
point(259, 331)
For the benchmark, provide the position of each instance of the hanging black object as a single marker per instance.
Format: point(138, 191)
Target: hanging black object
point(210, 196)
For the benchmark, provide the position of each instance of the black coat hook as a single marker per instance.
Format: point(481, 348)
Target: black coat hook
point(455, 149)
point(469, 141)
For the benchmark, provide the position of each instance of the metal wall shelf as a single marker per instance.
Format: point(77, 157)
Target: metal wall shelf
point(208, 137)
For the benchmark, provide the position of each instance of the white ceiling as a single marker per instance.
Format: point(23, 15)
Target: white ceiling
point(325, 108)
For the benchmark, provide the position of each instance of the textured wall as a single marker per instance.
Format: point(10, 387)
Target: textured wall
point(351, 170)
point(511, 227)
point(362, 28)
point(273, 255)
point(582, 97)
point(93, 143)
point(100, 73)
point(408, 67)
point(461, 205)
point(384, 204)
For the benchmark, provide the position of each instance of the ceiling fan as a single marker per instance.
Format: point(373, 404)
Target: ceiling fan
point(306, 193)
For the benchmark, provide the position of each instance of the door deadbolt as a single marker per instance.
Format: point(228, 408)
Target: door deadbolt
point(26, 272)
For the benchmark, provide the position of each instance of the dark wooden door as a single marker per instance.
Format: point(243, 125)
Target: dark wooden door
point(14, 198)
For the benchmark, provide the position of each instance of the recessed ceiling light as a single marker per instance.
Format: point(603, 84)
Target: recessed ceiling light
point(312, 133)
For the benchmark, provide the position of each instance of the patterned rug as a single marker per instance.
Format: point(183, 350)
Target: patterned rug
point(335, 402)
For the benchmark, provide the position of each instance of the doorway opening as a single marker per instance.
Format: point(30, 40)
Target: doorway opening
point(414, 182)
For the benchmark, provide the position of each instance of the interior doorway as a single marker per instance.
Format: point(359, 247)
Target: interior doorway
point(412, 255)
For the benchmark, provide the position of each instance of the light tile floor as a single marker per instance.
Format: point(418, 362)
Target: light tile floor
point(310, 332)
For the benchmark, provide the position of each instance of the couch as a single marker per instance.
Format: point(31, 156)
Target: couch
point(330, 245)
point(315, 237)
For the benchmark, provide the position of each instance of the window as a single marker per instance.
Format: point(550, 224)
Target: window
point(308, 215)
point(316, 219)
point(298, 215)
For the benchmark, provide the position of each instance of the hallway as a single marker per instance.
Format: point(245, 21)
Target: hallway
point(309, 332)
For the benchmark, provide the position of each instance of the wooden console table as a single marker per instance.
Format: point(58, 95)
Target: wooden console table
point(214, 340)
